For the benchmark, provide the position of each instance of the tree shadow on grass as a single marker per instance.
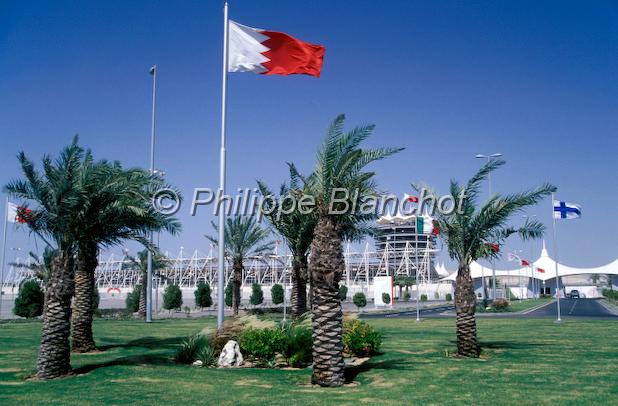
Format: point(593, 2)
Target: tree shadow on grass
point(144, 342)
point(147, 359)
point(351, 373)
point(507, 345)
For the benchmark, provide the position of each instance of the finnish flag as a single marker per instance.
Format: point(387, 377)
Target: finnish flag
point(566, 210)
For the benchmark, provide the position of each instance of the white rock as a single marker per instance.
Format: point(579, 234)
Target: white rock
point(230, 356)
point(198, 363)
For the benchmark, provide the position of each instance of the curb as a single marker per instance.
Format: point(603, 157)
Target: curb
point(608, 306)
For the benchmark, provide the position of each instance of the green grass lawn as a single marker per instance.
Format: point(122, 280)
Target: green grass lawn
point(524, 362)
point(521, 305)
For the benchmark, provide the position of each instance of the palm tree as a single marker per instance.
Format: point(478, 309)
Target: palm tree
point(471, 233)
point(297, 229)
point(39, 265)
point(117, 206)
point(56, 195)
point(340, 170)
point(141, 263)
point(243, 238)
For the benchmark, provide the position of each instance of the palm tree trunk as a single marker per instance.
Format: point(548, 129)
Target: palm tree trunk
point(326, 269)
point(465, 306)
point(54, 354)
point(83, 341)
point(237, 280)
point(141, 310)
point(299, 286)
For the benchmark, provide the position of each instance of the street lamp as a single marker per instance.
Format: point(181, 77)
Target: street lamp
point(153, 73)
point(493, 267)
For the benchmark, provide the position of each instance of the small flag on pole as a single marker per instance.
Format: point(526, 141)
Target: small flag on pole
point(410, 198)
point(566, 210)
point(525, 263)
point(541, 270)
point(11, 216)
point(271, 53)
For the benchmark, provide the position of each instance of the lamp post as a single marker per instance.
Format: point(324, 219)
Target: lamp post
point(153, 73)
point(532, 279)
point(493, 266)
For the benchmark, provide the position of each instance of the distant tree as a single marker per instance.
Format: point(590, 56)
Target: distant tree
point(172, 298)
point(360, 300)
point(276, 293)
point(29, 302)
point(343, 292)
point(257, 296)
point(203, 296)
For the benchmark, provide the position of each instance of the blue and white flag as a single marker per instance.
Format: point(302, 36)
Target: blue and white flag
point(566, 210)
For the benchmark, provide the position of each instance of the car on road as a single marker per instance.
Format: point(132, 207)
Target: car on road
point(574, 294)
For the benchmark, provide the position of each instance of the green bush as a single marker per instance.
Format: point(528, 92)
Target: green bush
point(359, 300)
point(423, 297)
point(406, 296)
point(262, 343)
point(257, 295)
point(132, 300)
point(190, 347)
point(203, 295)
point(298, 344)
point(386, 298)
point(360, 338)
point(343, 292)
point(610, 294)
point(172, 298)
point(449, 297)
point(208, 356)
point(229, 292)
point(276, 294)
point(29, 301)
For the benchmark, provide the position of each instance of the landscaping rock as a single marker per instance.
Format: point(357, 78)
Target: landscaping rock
point(230, 356)
point(198, 363)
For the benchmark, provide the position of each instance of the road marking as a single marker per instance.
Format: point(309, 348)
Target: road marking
point(573, 307)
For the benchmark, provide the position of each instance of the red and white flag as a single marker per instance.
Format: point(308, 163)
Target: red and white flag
point(525, 263)
point(271, 53)
point(541, 270)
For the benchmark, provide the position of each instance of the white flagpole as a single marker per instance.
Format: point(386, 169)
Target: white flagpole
point(221, 214)
point(558, 320)
point(6, 222)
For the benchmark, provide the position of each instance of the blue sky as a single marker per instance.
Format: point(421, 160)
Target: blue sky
point(534, 80)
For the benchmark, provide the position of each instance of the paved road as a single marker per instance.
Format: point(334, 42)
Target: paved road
point(568, 308)
point(574, 308)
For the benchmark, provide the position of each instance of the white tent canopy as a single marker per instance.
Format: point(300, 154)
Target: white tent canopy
point(544, 262)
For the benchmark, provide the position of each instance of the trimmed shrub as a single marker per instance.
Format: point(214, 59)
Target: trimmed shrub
point(172, 298)
point(276, 294)
point(190, 348)
point(359, 300)
point(132, 300)
point(423, 297)
point(343, 292)
point(29, 301)
point(449, 297)
point(406, 296)
point(386, 298)
point(257, 295)
point(500, 304)
point(96, 299)
point(203, 295)
point(262, 343)
point(360, 338)
point(229, 292)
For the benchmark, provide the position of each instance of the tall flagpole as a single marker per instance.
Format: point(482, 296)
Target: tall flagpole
point(153, 72)
point(553, 216)
point(6, 221)
point(221, 214)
